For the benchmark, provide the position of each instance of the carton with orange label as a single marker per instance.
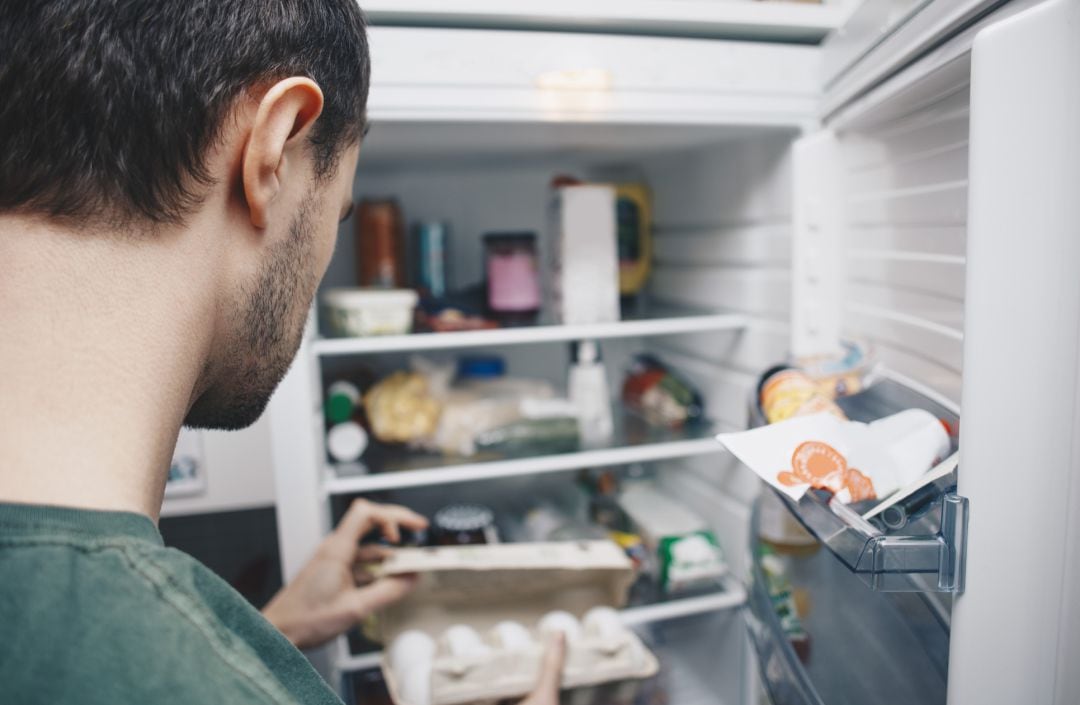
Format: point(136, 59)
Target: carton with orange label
point(855, 461)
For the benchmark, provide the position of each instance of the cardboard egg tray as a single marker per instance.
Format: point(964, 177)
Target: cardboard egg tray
point(480, 586)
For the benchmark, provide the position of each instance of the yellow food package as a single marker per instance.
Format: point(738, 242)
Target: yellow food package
point(633, 223)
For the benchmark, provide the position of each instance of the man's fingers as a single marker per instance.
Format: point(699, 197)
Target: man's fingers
point(361, 602)
point(546, 691)
point(368, 557)
point(373, 553)
point(363, 515)
point(355, 523)
point(388, 517)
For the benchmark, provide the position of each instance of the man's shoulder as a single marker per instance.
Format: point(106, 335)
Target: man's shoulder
point(120, 620)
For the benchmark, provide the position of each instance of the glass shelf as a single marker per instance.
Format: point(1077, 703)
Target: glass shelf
point(643, 321)
point(925, 553)
point(634, 441)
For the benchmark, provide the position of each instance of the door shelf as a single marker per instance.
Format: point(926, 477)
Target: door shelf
point(854, 645)
point(925, 554)
point(885, 562)
point(731, 595)
point(666, 323)
point(633, 442)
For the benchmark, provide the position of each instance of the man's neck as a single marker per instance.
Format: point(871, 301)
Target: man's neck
point(102, 341)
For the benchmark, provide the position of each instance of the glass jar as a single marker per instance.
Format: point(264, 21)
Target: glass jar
point(513, 276)
point(379, 230)
point(464, 524)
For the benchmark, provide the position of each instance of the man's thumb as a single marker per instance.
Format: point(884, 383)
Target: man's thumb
point(547, 686)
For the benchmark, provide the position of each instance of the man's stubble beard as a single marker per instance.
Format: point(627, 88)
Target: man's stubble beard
point(267, 335)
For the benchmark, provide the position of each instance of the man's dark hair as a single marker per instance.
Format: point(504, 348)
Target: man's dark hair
point(108, 107)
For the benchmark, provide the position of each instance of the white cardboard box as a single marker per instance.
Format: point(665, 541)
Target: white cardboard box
point(584, 254)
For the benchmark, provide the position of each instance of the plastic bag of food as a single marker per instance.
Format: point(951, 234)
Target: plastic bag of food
point(660, 396)
point(402, 409)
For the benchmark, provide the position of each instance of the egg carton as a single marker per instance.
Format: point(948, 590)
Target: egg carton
point(474, 628)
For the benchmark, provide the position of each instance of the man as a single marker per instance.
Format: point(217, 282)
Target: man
point(172, 173)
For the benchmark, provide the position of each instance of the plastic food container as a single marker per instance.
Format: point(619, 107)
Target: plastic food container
point(365, 312)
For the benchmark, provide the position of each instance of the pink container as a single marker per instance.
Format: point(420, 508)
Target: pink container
point(512, 274)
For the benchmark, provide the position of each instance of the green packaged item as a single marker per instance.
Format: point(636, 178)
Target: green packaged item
point(544, 435)
point(687, 554)
point(690, 560)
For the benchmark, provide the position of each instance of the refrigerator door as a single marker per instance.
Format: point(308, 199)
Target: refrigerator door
point(821, 636)
point(955, 233)
point(1017, 629)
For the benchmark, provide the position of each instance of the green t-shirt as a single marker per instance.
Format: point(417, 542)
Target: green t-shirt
point(95, 610)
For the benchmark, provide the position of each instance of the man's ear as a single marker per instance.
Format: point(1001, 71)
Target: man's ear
point(276, 142)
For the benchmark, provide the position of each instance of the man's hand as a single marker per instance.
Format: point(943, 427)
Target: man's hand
point(326, 598)
point(546, 691)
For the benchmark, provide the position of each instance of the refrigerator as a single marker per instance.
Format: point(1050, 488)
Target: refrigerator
point(903, 173)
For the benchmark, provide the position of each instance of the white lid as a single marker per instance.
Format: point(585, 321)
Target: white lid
point(346, 441)
point(353, 297)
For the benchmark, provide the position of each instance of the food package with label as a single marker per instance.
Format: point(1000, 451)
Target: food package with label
point(687, 553)
point(790, 604)
point(474, 628)
point(584, 255)
point(855, 461)
point(659, 395)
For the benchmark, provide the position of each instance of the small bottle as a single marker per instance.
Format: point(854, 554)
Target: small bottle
point(431, 248)
point(588, 390)
point(380, 236)
point(342, 398)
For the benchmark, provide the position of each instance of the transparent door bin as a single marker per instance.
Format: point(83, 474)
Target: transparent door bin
point(885, 561)
point(918, 550)
point(848, 645)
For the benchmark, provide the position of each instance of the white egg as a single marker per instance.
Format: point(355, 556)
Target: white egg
point(560, 621)
point(410, 647)
point(463, 640)
point(603, 623)
point(511, 635)
point(414, 684)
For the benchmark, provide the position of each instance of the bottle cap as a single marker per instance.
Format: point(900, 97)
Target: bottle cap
point(586, 351)
point(346, 441)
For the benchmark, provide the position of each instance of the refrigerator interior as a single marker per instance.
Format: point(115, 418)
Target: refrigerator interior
point(722, 223)
point(731, 205)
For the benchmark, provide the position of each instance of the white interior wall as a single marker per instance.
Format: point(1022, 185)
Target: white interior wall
point(906, 237)
point(723, 234)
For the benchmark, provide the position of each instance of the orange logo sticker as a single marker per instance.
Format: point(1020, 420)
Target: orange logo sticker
point(820, 465)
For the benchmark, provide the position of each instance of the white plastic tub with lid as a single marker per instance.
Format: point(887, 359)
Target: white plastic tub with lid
point(367, 312)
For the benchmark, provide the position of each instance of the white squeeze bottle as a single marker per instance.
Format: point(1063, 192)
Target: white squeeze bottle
point(588, 390)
